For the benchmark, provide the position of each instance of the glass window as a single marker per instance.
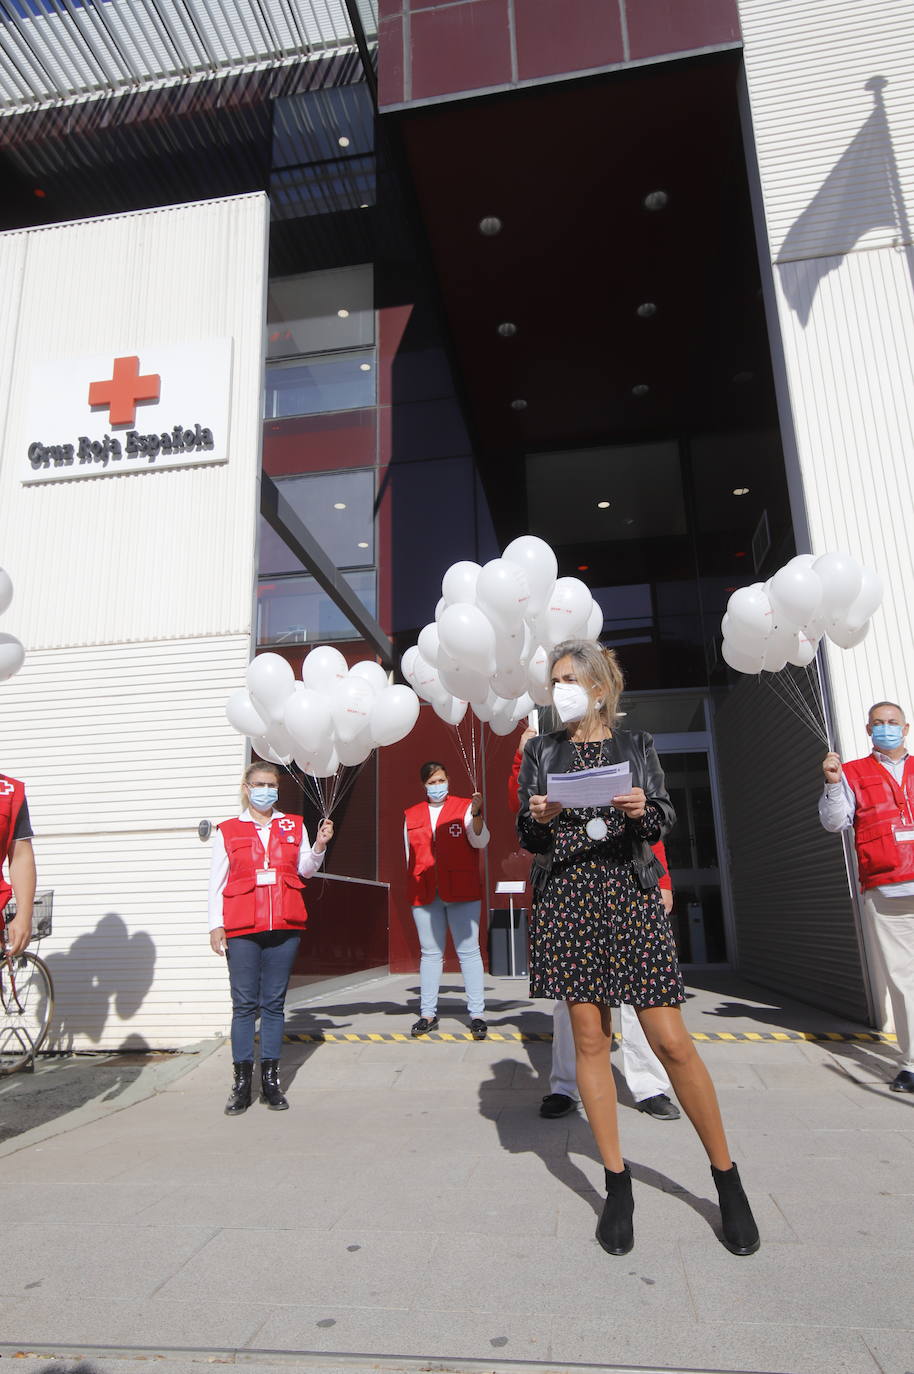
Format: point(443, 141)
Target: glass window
point(295, 610)
point(320, 312)
point(338, 510)
point(313, 386)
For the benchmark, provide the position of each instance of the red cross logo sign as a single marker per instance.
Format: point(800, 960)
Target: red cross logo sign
point(287, 823)
point(6, 787)
point(123, 390)
point(455, 829)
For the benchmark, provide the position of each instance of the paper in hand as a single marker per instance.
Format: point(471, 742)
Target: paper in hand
point(592, 787)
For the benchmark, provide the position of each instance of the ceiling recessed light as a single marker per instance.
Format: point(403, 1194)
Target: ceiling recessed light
point(343, 314)
point(39, 193)
point(646, 309)
point(629, 520)
point(363, 543)
point(740, 491)
point(519, 404)
point(642, 389)
point(507, 330)
point(603, 505)
point(656, 200)
point(364, 367)
point(364, 205)
point(339, 505)
point(343, 141)
point(740, 554)
point(583, 567)
point(490, 226)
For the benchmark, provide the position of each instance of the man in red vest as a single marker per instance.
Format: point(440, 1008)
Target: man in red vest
point(16, 848)
point(875, 795)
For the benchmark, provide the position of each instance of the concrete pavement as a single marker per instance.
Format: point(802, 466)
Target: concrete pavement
point(413, 1206)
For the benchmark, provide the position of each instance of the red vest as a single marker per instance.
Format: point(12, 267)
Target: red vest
point(248, 907)
point(880, 806)
point(12, 795)
point(444, 863)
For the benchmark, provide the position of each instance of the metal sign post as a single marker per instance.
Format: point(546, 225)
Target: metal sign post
point(510, 890)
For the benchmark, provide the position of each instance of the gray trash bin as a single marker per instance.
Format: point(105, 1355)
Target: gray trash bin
point(500, 942)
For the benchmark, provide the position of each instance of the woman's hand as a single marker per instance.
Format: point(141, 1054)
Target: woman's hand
point(476, 804)
point(324, 836)
point(217, 940)
point(633, 803)
point(666, 897)
point(543, 810)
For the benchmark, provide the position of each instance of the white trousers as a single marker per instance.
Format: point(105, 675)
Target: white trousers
point(892, 923)
point(641, 1069)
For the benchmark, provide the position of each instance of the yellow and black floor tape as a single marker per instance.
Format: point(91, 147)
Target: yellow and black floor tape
point(445, 1037)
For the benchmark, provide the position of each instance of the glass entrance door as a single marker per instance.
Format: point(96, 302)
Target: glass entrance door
point(692, 852)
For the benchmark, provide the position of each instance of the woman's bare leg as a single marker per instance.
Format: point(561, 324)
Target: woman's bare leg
point(673, 1046)
point(591, 1025)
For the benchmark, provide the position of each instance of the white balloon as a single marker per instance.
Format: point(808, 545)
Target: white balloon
point(425, 679)
point(779, 644)
point(803, 650)
point(322, 763)
point(394, 712)
point(749, 609)
point(846, 636)
point(538, 684)
point(523, 706)
point(354, 752)
point(243, 715)
point(6, 590)
point(503, 592)
point(510, 681)
point(568, 609)
point(795, 594)
point(459, 583)
point(464, 684)
point(538, 562)
point(280, 741)
point(270, 682)
point(408, 663)
point(842, 581)
point(350, 706)
point(323, 668)
point(802, 560)
point(428, 644)
point(482, 710)
point(264, 748)
point(439, 608)
point(594, 626)
point(12, 656)
point(451, 711)
point(308, 720)
point(741, 662)
point(503, 720)
point(816, 626)
point(867, 601)
point(466, 633)
point(372, 672)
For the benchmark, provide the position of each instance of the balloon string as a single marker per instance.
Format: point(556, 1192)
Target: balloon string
point(802, 711)
point(793, 692)
point(811, 704)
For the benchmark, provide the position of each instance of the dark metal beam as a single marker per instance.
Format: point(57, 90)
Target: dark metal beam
point(281, 518)
point(361, 42)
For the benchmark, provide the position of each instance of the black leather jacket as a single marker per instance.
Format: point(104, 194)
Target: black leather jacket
point(554, 753)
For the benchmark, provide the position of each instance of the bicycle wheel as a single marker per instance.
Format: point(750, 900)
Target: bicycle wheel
point(26, 1005)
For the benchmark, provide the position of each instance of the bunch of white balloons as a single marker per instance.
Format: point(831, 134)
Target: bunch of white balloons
point(12, 653)
point(781, 621)
point(488, 646)
point(334, 717)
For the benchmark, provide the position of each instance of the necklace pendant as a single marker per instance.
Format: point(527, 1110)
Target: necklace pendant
point(597, 828)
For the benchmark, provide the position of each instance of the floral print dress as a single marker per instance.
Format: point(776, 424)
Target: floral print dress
point(597, 936)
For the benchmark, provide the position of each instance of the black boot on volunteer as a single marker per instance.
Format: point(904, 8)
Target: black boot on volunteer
point(737, 1222)
point(615, 1231)
point(271, 1093)
point(240, 1097)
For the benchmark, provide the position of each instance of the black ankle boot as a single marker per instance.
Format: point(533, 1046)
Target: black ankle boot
point(240, 1098)
point(272, 1093)
point(614, 1229)
point(737, 1222)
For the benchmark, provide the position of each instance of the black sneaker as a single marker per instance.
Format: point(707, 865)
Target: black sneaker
point(659, 1107)
point(903, 1082)
point(555, 1105)
point(478, 1028)
point(424, 1025)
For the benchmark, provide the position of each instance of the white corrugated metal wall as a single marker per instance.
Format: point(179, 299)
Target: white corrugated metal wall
point(134, 597)
point(832, 100)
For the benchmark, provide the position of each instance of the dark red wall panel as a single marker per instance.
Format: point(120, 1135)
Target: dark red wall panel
point(320, 443)
point(658, 27)
point(390, 61)
point(461, 47)
point(571, 36)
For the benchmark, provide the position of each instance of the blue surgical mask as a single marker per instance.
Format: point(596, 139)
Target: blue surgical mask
point(262, 798)
point(436, 792)
point(887, 736)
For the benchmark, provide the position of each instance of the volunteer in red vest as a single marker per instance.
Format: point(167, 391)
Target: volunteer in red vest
point(256, 916)
point(875, 795)
point(16, 851)
point(442, 836)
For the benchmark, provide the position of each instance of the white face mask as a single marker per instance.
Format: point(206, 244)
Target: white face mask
point(570, 701)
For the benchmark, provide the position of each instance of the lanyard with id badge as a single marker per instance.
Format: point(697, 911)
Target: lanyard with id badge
point(903, 829)
point(266, 876)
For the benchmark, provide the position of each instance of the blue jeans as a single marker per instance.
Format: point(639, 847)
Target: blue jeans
point(432, 923)
point(259, 967)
